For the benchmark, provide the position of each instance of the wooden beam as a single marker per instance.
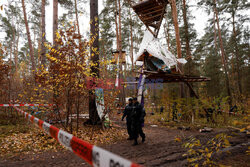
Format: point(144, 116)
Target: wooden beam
point(152, 8)
point(159, 24)
point(155, 11)
point(192, 90)
point(150, 18)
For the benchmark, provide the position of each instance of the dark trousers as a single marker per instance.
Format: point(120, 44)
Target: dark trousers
point(137, 130)
point(141, 133)
point(129, 128)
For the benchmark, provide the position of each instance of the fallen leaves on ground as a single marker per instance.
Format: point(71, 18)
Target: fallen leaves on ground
point(36, 141)
point(23, 143)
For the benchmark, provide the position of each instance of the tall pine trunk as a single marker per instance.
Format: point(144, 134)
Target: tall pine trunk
point(223, 59)
point(122, 95)
point(187, 40)
point(16, 52)
point(166, 30)
point(236, 53)
point(188, 52)
point(14, 46)
point(54, 74)
point(43, 50)
point(116, 25)
point(167, 36)
point(55, 21)
point(215, 34)
point(78, 94)
point(77, 20)
point(131, 40)
point(31, 50)
point(94, 35)
point(178, 41)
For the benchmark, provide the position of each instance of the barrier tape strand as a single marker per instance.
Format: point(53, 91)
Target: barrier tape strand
point(24, 105)
point(92, 154)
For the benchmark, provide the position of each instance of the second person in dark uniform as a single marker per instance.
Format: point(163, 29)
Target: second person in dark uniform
point(127, 113)
point(137, 118)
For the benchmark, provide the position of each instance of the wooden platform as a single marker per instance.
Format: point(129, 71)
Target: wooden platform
point(173, 77)
point(151, 13)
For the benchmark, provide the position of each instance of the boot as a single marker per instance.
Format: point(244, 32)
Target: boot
point(143, 139)
point(135, 143)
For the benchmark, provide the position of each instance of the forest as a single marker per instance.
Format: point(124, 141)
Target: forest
point(71, 66)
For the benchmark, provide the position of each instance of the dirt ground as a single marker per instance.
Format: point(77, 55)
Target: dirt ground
point(160, 149)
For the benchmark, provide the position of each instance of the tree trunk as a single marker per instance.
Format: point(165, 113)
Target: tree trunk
point(31, 51)
point(14, 46)
point(16, 52)
point(131, 40)
point(77, 20)
point(166, 30)
point(43, 50)
point(39, 41)
point(215, 36)
point(116, 26)
point(236, 54)
point(55, 21)
point(121, 98)
point(132, 48)
point(94, 35)
point(223, 59)
point(178, 41)
point(188, 52)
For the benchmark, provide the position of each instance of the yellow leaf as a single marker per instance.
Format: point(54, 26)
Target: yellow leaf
point(206, 149)
point(177, 139)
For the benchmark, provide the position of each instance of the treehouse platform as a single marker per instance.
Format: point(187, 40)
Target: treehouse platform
point(174, 77)
point(151, 13)
point(165, 77)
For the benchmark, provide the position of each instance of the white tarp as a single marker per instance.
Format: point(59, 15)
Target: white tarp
point(153, 46)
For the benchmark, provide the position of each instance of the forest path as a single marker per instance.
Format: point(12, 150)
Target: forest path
point(160, 149)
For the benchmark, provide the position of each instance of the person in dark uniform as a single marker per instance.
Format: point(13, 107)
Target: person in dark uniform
point(127, 113)
point(137, 121)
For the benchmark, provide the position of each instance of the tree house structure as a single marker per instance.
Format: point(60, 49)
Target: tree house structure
point(151, 13)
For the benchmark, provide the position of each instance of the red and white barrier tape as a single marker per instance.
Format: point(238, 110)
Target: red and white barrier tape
point(92, 154)
point(25, 105)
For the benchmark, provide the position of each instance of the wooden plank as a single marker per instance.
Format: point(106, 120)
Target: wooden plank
point(192, 90)
point(142, 4)
point(147, 4)
point(153, 17)
point(152, 8)
point(159, 24)
point(152, 25)
point(150, 30)
point(152, 12)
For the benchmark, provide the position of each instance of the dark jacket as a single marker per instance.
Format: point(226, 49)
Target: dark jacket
point(138, 113)
point(128, 112)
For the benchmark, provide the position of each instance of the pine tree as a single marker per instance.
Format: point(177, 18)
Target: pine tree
point(31, 49)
